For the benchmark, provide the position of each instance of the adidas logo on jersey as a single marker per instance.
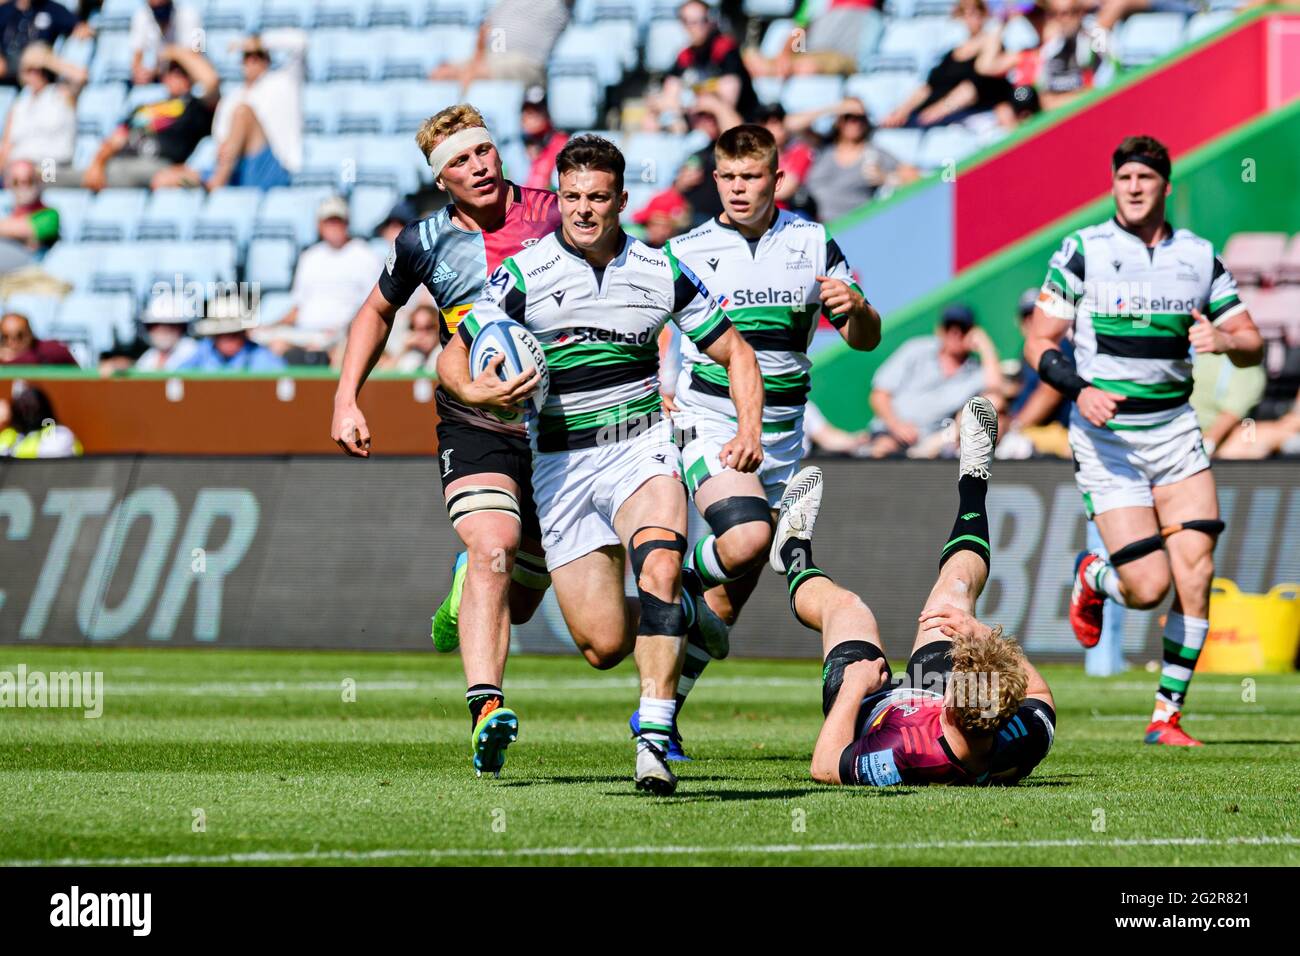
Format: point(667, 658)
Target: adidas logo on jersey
point(444, 273)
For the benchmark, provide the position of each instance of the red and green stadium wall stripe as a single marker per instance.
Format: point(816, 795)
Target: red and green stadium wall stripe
point(1242, 181)
point(918, 239)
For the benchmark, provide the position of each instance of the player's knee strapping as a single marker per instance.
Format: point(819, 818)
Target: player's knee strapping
point(842, 655)
point(1136, 549)
point(530, 572)
point(657, 615)
point(1144, 546)
point(482, 499)
point(722, 516)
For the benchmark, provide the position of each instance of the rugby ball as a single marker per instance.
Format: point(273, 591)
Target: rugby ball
point(523, 353)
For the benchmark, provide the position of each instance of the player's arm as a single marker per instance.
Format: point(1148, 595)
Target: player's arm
point(1053, 315)
point(1226, 326)
point(367, 337)
point(860, 679)
point(845, 305)
point(504, 297)
point(702, 321)
point(732, 352)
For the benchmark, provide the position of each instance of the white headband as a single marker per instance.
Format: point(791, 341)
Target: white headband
point(453, 144)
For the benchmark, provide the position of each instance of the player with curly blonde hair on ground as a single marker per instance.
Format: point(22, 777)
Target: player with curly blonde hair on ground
point(970, 709)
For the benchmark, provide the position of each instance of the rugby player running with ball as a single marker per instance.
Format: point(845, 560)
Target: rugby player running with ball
point(606, 472)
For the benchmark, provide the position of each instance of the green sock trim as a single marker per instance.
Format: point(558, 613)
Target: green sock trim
point(967, 537)
point(1182, 650)
point(1173, 685)
point(656, 729)
point(799, 578)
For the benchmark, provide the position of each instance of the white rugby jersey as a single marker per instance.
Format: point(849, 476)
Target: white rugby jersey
point(772, 295)
point(1131, 305)
point(599, 333)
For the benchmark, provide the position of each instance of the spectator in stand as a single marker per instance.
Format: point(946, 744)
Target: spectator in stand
point(820, 435)
point(919, 388)
point(1222, 396)
point(1058, 70)
point(24, 22)
point(710, 63)
point(712, 117)
point(420, 347)
point(224, 345)
point(795, 158)
point(542, 141)
point(29, 429)
point(20, 346)
point(1263, 439)
point(514, 43)
point(396, 220)
point(165, 331)
point(954, 89)
point(32, 227)
point(157, 25)
point(849, 171)
point(1037, 417)
point(153, 142)
point(331, 280)
point(666, 215)
point(829, 44)
point(259, 129)
point(42, 122)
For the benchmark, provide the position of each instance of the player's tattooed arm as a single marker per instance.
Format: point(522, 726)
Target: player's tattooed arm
point(732, 352)
point(860, 679)
point(367, 337)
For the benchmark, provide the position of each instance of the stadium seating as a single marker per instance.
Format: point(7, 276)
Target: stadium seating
point(1255, 257)
point(367, 91)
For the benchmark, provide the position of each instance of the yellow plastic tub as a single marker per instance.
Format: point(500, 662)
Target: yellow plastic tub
point(1251, 633)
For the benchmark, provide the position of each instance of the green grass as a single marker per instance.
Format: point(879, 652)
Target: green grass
point(283, 769)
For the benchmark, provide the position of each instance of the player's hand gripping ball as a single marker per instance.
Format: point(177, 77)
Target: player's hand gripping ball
point(521, 355)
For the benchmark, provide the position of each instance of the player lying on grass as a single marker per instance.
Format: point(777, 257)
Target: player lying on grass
point(777, 274)
point(606, 473)
point(486, 465)
point(970, 708)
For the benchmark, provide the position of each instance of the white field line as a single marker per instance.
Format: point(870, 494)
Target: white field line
point(260, 688)
point(771, 849)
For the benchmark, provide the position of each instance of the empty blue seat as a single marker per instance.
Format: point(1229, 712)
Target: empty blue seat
point(73, 262)
point(100, 107)
point(418, 101)
point(287, 13)
point(811, 92)
point(881, 93)
point(113, 214)
point(903, 144)
point(112, 61)
point(328, 161)
point(653, 158)
point(242, 15)
point(110, 317)
point(393, 161)
point(500, 102)
point(1144, 37)
point(229, 213)
point(397, 13)
point(290, 212)
point(170, 214)
point(270, 263)
point(408, 55)
point(945, 146)
point(573, 98)
point(340, 13)
point(273, 307)
point(72, 203)
point(664, 40)
point(370, 204)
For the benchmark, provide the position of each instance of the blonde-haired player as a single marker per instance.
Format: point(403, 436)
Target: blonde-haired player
point(485, 464)
point(970, 709)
